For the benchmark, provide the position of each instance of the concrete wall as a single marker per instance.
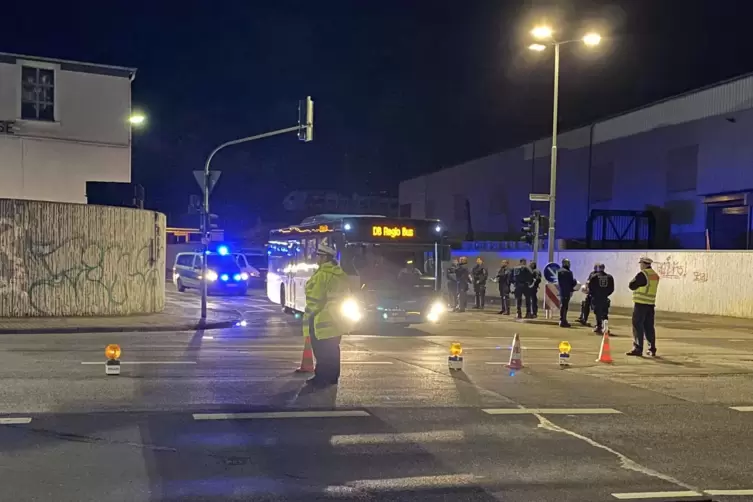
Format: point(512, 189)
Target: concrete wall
point(80, 260)
point(697, 282)
point(89, 139)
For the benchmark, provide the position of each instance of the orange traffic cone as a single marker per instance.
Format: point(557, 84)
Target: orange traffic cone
point(516, 360)
point(605, 352)
point(307, 358)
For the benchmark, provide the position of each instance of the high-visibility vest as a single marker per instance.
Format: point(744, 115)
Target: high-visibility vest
point(647, 294)
point(325, 290)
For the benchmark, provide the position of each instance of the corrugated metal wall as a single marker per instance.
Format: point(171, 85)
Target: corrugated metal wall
point(61, 259)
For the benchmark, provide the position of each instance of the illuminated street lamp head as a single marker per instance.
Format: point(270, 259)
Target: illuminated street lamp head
point(591, 39)
point(541, 32)
point(137, 119)
point(537, 47)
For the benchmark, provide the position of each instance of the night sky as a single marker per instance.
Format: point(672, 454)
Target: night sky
point(402, 87)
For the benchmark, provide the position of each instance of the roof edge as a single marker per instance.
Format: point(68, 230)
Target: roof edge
point(113, 70)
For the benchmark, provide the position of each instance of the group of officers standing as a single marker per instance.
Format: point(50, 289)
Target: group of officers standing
point(523, 282)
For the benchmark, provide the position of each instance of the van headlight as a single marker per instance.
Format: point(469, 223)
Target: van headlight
point(351, 310)
point(435, 311)
point(211, 275)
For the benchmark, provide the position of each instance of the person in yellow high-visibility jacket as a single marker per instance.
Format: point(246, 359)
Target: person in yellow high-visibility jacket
point(644, 286)
point(324, 293)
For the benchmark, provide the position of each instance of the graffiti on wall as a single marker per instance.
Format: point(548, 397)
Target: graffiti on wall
point(74, 276)
point(672, 269)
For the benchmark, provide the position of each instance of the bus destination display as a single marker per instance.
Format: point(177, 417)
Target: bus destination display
point(393, 232)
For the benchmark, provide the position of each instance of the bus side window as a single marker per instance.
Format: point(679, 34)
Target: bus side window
point(311, 249)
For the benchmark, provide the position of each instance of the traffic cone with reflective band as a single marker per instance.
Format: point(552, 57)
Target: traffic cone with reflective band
point(605, 352)
point(307, 358)
point(516, 360)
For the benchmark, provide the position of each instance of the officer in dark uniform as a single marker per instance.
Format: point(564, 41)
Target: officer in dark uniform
point(600, 286)
point(585, 305)
point(522, 278)
point(480, 275)
point(463, 276)
point(567, 284)
point(535, 290)
point(503, 282)
point(452, 284)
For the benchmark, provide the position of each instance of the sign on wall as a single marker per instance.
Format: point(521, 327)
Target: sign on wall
point(8, 127)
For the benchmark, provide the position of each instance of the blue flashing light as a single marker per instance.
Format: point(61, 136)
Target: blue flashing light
point(225, 277)
point(237, 277)
point(222, 250)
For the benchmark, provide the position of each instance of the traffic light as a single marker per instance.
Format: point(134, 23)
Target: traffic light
point(306, 119)
point(528, 230)
point(212, 221)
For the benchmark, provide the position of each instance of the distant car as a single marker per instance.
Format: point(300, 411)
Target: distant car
point(223, 273)
point(255, 265)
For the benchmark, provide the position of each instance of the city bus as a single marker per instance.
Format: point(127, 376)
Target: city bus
point(394, 265)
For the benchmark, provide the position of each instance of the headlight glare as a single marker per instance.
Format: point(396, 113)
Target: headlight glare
point(351, 310)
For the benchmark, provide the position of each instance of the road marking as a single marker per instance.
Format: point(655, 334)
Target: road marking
point(737, 340)
point(281, 414)
point(366, 362)
point(205, 337)
point(141, 362)
point(15, 420)
point(414, 482)
point(741, 408)
point(655, 495)
point(728, 492)
point(441, 436)
point(551, 411)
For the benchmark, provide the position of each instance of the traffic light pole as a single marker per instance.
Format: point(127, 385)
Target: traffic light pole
point(205, 217)
point(536, 230)
point(553, 167)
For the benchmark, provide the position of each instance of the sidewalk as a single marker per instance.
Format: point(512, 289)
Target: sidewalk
point(171, 319)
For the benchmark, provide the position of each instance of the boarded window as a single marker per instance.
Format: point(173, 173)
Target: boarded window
point(602, 180)
point(405, 210)
point(682, 169)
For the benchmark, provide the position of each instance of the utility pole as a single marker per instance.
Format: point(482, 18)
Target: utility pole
point(305, 130)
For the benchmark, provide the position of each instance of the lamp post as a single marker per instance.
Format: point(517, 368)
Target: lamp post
point(546, 36)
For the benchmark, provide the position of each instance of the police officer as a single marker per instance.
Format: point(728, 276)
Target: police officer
point(480, 275)
point(585, 305)
point(463, 277)
point(567, 284)
point(534, 299)
point(324, 291)
point(522, 278)
point(644, 286)
point(600, 286)
point(503, 282)
point(452, 284)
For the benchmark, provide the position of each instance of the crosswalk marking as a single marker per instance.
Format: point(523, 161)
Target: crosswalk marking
point(655, 495)
point(444, 436)
point(741, 408)
point(15, 420)
point(728, 492)
point(414, 483)
point(281, 414)
point(551, 411)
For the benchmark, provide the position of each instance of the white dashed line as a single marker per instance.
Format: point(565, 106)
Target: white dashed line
point(280, 414)
point(140, 362)
point(741, 408)
point(655, 495)
point(366, 362)
point(15, 420)
point(728, 492)
point(551, 411)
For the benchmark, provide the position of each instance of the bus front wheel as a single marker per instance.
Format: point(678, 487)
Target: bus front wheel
point(283, 301)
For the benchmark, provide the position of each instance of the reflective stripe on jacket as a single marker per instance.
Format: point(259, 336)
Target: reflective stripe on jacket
point(324, 292)
point(647, 294)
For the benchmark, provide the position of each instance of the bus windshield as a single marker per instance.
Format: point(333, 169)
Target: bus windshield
point(382, 268)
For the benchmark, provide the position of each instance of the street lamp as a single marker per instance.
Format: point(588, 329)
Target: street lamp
point(545, 35)
point(137, 119)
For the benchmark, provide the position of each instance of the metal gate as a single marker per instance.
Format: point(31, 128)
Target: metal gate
point(617, 229)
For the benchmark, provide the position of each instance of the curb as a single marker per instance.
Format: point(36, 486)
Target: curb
point(194, 326)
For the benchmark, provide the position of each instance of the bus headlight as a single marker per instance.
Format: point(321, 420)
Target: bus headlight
point(351, 310)
point(435, 311)
point(211, 275)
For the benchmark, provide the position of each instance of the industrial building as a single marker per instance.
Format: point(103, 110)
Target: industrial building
point(688, 158)
point(62, 124)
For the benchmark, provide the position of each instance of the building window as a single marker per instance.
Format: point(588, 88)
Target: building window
point(405, 210)
point(37, 93)
point(682, 169)
point(602, 180)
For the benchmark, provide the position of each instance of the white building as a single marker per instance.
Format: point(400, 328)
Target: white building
point(62, 123)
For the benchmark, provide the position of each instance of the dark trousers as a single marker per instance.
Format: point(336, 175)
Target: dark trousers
point(505, 301)
point(643, 325)
point(452, 290)
point(601, 310)
point(534, 301)
point(585, 308)
point(520, 293)
point(462, 299)
point(327, 354)
point(480, 292)
point(564, 307)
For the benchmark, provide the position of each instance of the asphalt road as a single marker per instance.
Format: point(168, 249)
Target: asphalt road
point(220, 415)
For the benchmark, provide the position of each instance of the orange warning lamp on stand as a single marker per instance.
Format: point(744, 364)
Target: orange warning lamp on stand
point(455, 361)
point(112, 353)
